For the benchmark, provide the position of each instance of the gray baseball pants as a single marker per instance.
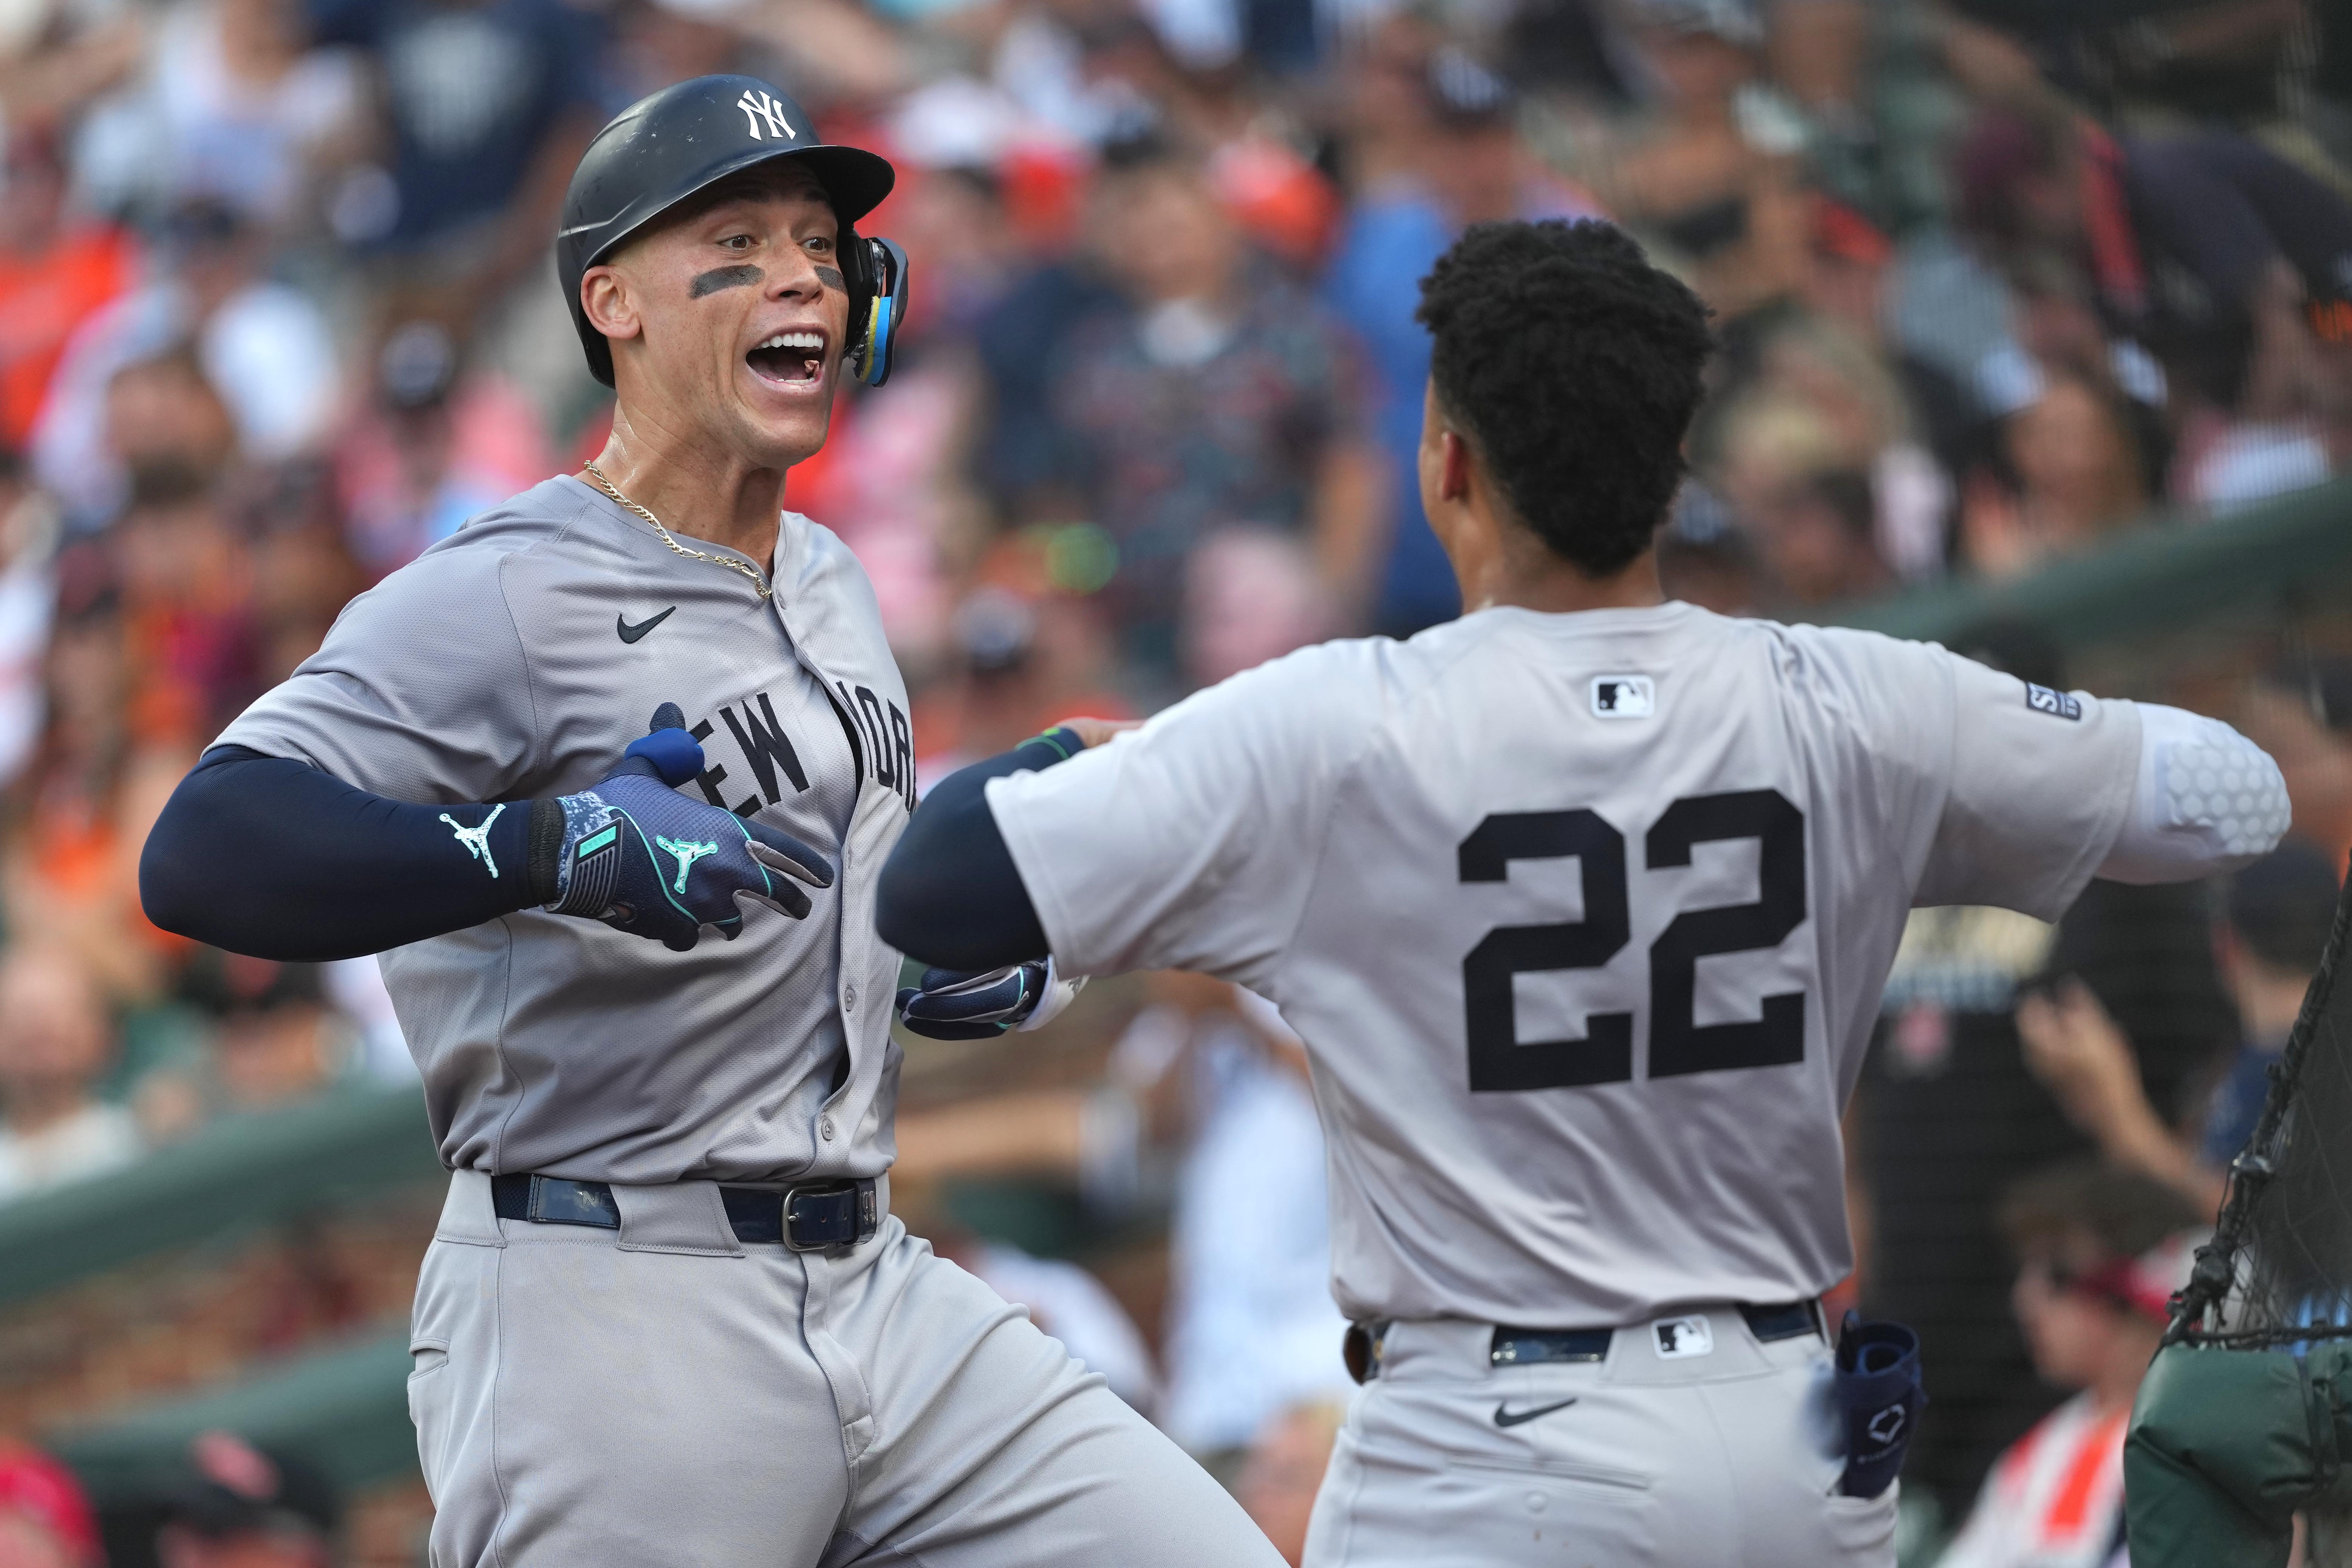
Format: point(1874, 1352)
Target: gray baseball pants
point(667, 1396)
point(1728, 1458)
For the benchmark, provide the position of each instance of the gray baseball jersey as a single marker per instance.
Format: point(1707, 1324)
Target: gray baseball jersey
point(1583, 920)
point(517, 659)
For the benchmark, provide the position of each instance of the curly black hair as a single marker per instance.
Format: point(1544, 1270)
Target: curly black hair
point(1573, 365)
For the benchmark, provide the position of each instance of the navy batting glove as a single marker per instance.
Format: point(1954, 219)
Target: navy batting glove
point(634, 853)
point(969, 1005)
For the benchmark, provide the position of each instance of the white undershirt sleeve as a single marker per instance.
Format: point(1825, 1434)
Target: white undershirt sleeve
point(2207, 800)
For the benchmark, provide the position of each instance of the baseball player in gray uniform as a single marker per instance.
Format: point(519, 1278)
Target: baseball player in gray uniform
point(1581, 904)
point(666, 1317)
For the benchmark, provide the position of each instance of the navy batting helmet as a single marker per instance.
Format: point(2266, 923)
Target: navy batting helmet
point(684, 138)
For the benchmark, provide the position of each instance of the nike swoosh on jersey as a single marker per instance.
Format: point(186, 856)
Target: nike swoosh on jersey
point(1506, 1416)
point(631, 634)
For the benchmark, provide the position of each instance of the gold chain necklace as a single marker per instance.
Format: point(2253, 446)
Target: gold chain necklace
point(729, 561)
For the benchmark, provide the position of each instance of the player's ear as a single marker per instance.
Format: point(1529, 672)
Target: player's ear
point(610, 303)
point(1454, 466)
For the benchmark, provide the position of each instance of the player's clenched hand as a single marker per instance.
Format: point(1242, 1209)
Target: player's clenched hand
point(968, 1005)
point(638, 855)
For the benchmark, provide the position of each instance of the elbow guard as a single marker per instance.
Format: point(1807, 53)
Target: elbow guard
point(2206, 800)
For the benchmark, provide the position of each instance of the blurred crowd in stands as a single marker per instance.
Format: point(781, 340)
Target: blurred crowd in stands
point(1997, 283)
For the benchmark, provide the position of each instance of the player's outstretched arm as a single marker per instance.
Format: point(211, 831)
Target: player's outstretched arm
point(270, 856)
point(952, 897)
point(2036, 791)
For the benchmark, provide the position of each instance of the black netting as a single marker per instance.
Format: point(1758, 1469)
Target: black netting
point(2278, 1272)
point(2279, 1269)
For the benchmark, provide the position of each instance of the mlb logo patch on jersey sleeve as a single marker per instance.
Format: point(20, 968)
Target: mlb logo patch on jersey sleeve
point(2057, 704)
point(1623, 696)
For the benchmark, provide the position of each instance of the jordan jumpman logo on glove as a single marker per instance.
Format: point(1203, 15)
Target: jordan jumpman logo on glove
point(608, 863)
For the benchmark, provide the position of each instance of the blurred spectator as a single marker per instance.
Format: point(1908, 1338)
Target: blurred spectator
point(45, 1520)
point(76, 818)
point(2207, 246)
point(2276, 916)
point(57, 1045)
point(1795, 446)
point(891, 484)
point(434, 447)
point(2065, 470)
point(54, 57)
point(1847, 294)
point(241, 1507)
point(303, 570)
point(2100, 1253)
point(1023, 340)
point(1250, 595)
point(168, 426)
point(1251, 1329)
point(2299, 712)
point(1037, 56)
point(1704, 559)
point(1212, 394)
point(355, 987)
point(1818, 539)
point(28, 541)
point(1464, 163)
point(56, 270)
point(489, 105)
point(187, 576)
point(275, 1039)
point(654, 45)
point(1283, 1471)
point(1019, 662)
point(1710, 175)
point(262, 347)
point(233, 107)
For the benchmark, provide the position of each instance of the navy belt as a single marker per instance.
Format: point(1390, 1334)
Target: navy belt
point(1530, 1347)
point(807, 1218)
point(1525, 1347)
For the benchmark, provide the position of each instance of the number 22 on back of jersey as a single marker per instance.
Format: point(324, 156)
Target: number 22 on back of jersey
point(1501, 1062)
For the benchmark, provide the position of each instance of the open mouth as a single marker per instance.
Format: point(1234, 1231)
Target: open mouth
point(789, 358)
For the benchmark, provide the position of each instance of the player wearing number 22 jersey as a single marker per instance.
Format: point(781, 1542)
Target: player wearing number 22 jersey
point(1582, 905)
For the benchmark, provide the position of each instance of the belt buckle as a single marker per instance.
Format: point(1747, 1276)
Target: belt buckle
point(826, 1215)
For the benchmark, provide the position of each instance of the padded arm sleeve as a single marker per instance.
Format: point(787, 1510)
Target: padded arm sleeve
point(2207, 800)
point(270, 856)
point(950, 896)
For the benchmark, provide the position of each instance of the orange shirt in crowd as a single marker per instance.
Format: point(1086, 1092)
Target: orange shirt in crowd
point(2056, 1498)
point(43, 299)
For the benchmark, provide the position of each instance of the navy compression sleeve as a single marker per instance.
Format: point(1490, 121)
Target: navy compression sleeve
point(270, 856)
point(951, 895)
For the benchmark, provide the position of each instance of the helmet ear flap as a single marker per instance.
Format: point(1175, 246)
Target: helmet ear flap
point(857, 275)
point(875, 273)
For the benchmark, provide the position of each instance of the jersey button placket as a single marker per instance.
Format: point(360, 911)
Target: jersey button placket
point(824, 1128)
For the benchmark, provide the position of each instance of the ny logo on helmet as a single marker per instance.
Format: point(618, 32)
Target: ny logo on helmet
point(757, 107)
